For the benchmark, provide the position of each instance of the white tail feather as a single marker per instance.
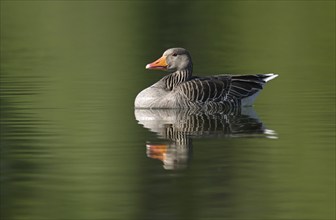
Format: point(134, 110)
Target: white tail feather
point(270, 76)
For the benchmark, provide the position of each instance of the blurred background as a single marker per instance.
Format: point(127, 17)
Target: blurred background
point(71, 147)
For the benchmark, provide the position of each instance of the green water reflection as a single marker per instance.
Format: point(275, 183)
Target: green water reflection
point(72, 149)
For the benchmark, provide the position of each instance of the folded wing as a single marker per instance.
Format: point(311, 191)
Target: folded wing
point(223, 88)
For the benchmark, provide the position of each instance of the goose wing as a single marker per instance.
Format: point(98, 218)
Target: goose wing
point(222, 87)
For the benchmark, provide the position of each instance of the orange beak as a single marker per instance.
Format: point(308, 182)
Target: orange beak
point(160, 64)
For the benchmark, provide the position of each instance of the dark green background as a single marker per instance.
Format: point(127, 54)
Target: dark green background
point(72, 149)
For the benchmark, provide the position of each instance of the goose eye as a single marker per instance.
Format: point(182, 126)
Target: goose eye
point(174, 54)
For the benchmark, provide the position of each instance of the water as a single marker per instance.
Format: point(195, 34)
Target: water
point(72, 146)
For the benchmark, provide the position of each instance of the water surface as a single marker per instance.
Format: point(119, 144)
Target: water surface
point(72, 146)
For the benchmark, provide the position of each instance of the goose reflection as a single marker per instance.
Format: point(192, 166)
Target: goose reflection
point(176, 128)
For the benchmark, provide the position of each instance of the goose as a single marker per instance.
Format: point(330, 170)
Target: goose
point(181, 90)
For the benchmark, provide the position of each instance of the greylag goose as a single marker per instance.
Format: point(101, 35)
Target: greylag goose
point(180, 89)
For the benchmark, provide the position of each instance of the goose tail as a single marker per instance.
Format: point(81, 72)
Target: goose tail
point(248, 101)
point(268, 76)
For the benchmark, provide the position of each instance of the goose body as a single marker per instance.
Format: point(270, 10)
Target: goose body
point(180, 89)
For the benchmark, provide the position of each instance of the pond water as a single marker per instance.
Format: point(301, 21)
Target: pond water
point(74, 148)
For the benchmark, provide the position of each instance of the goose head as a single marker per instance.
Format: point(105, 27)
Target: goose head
point(173, 59)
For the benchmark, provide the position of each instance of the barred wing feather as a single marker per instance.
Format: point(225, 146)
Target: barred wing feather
point(222, 87)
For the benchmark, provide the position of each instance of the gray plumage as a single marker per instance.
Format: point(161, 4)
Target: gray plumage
point(180, 89)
